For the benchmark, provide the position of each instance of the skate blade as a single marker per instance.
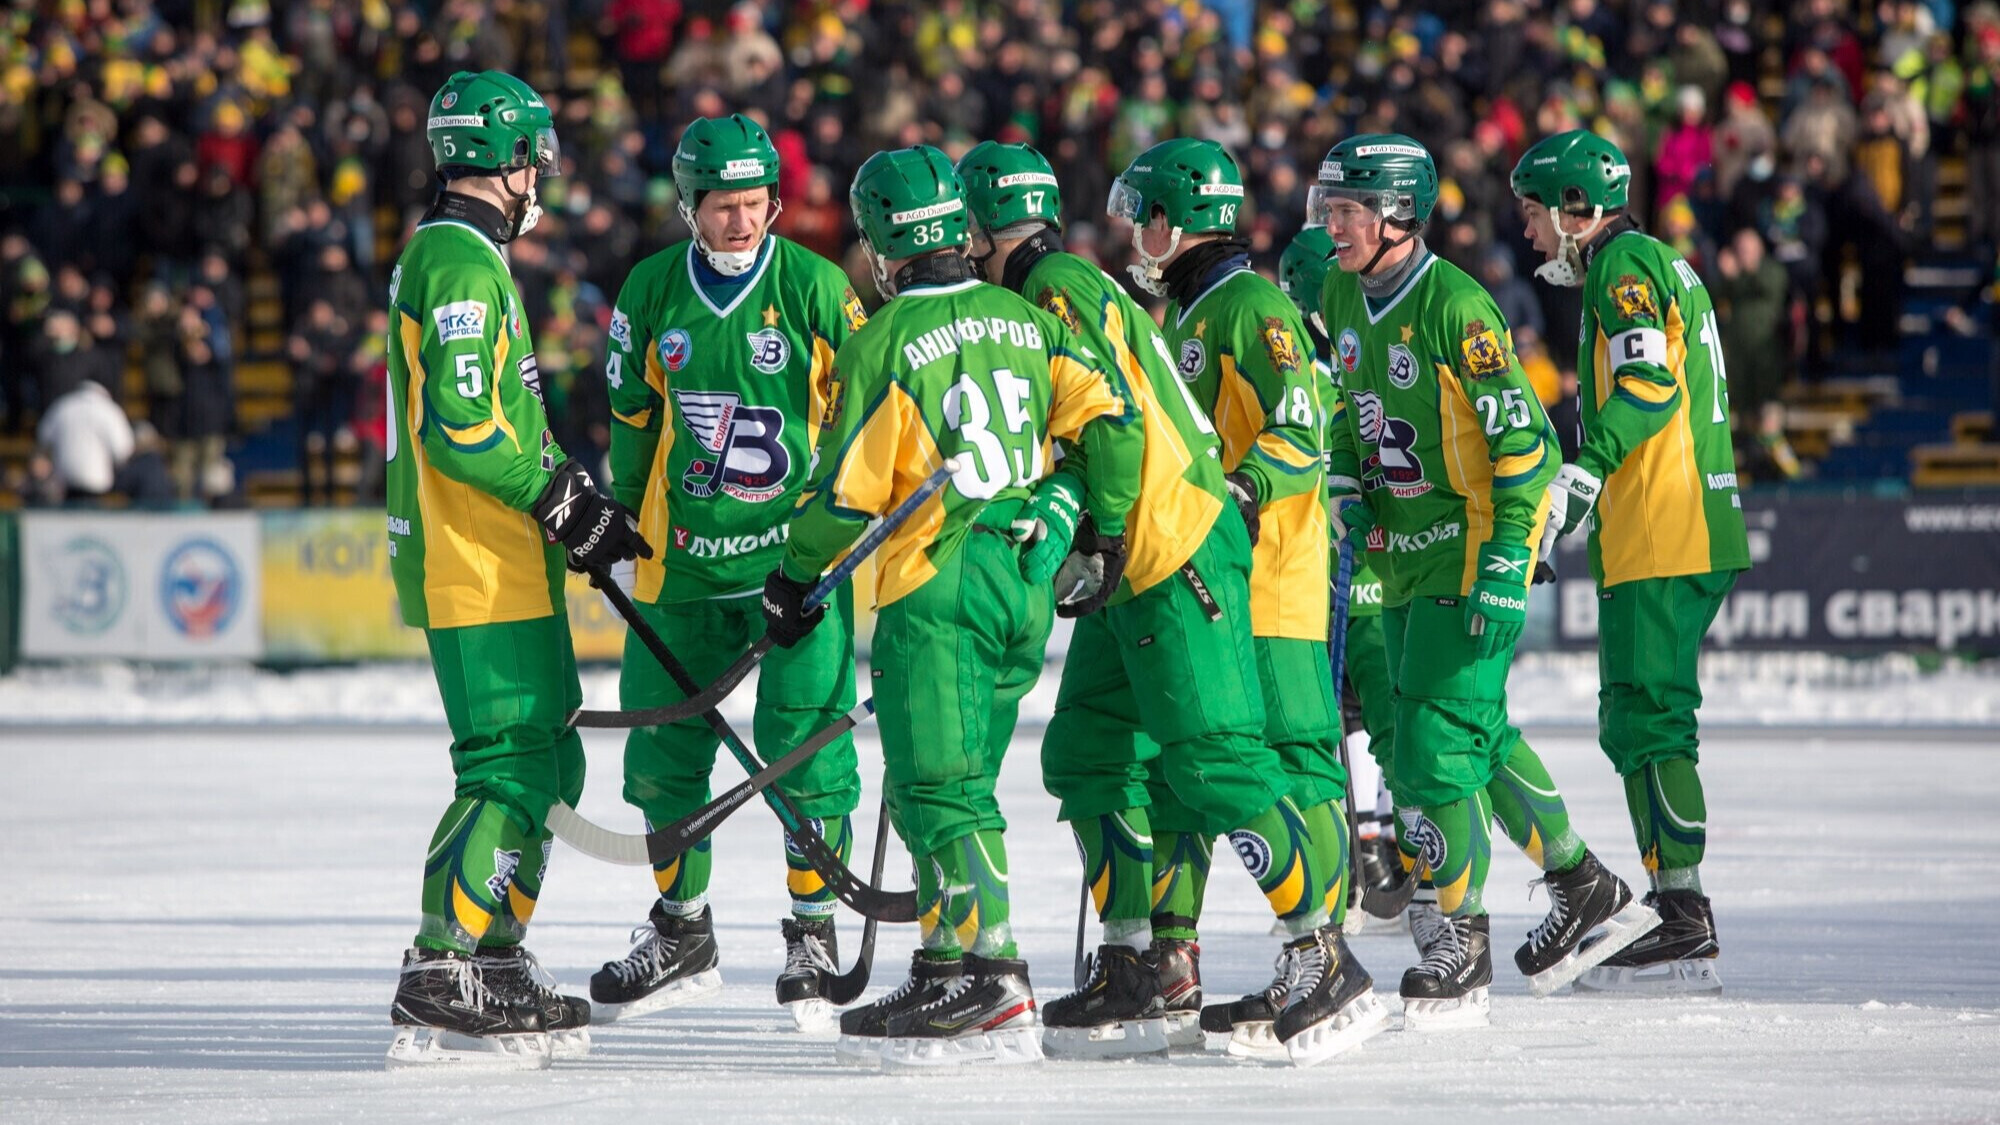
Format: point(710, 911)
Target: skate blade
point(1693, 977)
point(435, 1046)
point(814, 1015)
point(1184, 1031)
point(1620, 930)
point(1362, 1019)
point(1007, 1046)
point(859, 1050)
point(1256, 1041)
point(571, 1044)
point(670, 995)
point(1468, 1011)
point(1125, 1039)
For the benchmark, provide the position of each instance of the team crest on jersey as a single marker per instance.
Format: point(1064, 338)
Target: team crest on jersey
point(1394, 465)
point(850, 307)
point(1193, 359)
point(674, 348)
point(1402, 367)
point(504, 865)
point(1282, 344)
point(741, 452)
point(1483, 352)
point(1057, 302)
point(1633, 298)
point(770, 351)
point(1349, 347)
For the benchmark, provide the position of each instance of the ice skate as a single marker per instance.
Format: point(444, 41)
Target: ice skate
point(674, 960)
point(1580, 900)
point(1331, 1007)
point(864, 1030)
point(985, 1017)
point(812, 957)
point(1118, 1013)
point(1248, 1021)
point(1448, 989)
point(514, 974)
point(444, 1013)
point(1179, 965)
point(1678, 957)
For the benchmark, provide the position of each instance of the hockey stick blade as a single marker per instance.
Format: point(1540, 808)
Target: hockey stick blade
point(661, 845)
point(846, 988)
point(704, 700)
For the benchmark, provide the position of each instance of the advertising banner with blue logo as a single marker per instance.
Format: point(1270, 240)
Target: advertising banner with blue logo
point(150, 587)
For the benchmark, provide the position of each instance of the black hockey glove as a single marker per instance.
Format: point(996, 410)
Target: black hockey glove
point(1090, 575)
point(595, 530)
point(786, 621)
point(1243, 490)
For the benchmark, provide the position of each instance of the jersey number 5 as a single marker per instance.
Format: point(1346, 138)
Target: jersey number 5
point(988, 470)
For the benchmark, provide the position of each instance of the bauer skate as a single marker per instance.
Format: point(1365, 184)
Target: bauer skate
point(1179, 965)
point(864, 1030)
point(1330, 1005)
point(985, 1017)
point(513, 973)
point(1118, 1013)
point(444, 1013)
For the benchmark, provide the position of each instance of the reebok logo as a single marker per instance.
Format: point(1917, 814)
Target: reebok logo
point(1502, 601)
point(1516, 567)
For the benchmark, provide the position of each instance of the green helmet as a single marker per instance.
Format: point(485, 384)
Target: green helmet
point(909, 201)
point(1576, 173)
point(493, 121)
point(723, 154)
point(1008, 184)
point(1391, 174)
point(1195, 183)
point(1302, 270)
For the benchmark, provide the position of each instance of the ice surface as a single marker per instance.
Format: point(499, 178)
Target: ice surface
point(203, 926)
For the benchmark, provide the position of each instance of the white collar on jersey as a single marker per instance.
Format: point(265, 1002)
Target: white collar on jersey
point(1402, 291)
point(749, 280)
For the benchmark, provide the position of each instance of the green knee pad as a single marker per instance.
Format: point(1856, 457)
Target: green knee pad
point(1670, 821)
point(1529, 807)
point(1454, 841)
point(1180, 880)
point(811, 897)
point(469, 875)
point(1276, 848)
point(1118, 868)
point(971, 910)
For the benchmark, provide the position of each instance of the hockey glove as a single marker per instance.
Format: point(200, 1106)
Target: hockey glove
point(594, 529)
point(624, 575)
point(1243, 490)
point(1498, 603)
point(1046, 525)
point(1352, 516)
point(1090, 575)
point(786, 621)
point(1572, 496)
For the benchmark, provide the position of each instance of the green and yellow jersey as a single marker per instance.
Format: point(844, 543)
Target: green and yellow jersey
point(1239, 347)
point(469, 443)
point(965, 370)
point(1655, 407)
point(1438, 425)
point(718, 386)
point(1180, 477)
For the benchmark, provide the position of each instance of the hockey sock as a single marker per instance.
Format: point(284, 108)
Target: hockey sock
point(1118, 867)
point(683, 880)
point(1527, 805)
point(1327, 822)
point(939, 941)
point(1180, 879)
point(517, 906)
point(1276, 848)
point(474, 854)
point(1406, 820)
point(1670, 820)
point(811, 898)
point(1455, 842)
point(973, 896)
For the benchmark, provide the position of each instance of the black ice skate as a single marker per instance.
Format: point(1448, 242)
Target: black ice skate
point(864, 1030)
point(445, 1013)
point(1447, 990)
point(1118, 1013)
point(1581, 899)
point(513, 973)
point(1331, 1007)
point(1179, 966)
point(1678, 956)
point(1248, 1020)
point(812, 957)
point(1386, 889)
point(673, 960)
point(984, 1017)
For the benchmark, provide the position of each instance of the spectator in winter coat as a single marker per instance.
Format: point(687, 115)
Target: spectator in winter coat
point(1685, 148)
point(1744, 135)
point(88, 439)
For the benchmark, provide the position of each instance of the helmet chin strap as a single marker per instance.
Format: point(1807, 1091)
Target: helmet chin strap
point(1384, 245)
point(731, 263)
point(1566, 268)
point(530, 215)
point(879, 271)
point(1149, 272)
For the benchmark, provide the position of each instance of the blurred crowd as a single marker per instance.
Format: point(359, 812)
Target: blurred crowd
point(168, 157)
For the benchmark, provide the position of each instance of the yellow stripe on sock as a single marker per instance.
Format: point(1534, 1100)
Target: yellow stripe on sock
point(471, 917)
point(1452, 895)
point(521, 903)
point(1534, 846)
point(1290, 891)
point(803, 884)
point(1101, 890)
point(664, 879)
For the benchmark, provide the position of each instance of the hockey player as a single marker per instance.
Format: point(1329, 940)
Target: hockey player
point(1441, 466)
point(1371, 736)
point(1159, 722)
point(484, 510)
point(1657, 471)
point(720, 364)
point(952, 368)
